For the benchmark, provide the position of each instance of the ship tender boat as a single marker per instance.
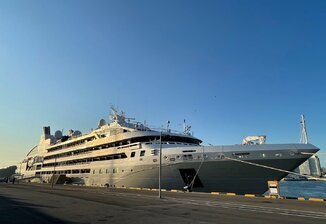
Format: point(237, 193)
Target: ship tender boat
point(125, 153)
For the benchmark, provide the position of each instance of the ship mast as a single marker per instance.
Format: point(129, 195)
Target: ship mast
point(304, 135)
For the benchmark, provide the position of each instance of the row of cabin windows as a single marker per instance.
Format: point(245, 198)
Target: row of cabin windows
point(72, 144)
point(98, 158)
point(78, 171)
point(75, 171)
point(87, 160)
point(108, 171)
point(73, 153)
point(114, 144)
point(82, 151)
point(86, 150)
point(144, 139)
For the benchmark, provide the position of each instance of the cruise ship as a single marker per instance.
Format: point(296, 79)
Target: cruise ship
point(125, 153)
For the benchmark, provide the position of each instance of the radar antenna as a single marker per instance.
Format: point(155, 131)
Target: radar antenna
point(186, 128)
point(120, 118)
point(115, 116)
point(304, 136)
point(168, 126)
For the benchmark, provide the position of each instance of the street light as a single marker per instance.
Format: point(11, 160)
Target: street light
point(55, 161)
point(160, 168)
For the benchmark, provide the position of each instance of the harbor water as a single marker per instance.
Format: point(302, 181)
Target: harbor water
point(306, 189)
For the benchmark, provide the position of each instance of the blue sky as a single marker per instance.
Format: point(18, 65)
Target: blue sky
point(230, 68)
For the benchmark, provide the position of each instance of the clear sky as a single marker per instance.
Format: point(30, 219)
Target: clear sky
point(230, 68)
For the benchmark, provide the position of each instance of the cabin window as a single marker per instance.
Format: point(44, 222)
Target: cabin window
point(189, 151)
point(142, 153)
point(100, 171)
point(155, 152)
point(114, 170)
point(85, 171)
point(93, 171)
point(132, 154)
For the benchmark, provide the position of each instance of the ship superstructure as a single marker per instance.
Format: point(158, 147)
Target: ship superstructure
point(125, 153)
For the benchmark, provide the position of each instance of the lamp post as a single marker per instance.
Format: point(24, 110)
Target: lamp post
point(160, 168)
point(55, 161)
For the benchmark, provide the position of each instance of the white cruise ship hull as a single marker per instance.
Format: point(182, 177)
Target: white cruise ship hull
point(239, 169)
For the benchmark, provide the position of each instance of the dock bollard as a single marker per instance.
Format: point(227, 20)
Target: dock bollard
point(273, 188)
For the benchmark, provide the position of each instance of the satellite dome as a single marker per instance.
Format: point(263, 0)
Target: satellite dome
point(101, 123)
point(76, 133)
point(58, 134)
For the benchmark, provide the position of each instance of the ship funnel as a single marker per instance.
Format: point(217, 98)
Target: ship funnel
point(46, 132)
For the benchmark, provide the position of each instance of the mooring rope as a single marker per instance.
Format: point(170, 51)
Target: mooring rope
point(311, 153)
point(193, 180)
point(272, 168)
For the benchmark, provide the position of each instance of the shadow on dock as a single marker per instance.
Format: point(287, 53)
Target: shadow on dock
point(13, 211)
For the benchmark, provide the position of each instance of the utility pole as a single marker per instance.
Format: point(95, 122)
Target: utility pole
point(160, 168)
point(55, 161)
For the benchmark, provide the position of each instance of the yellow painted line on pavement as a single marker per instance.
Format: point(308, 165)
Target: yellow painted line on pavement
point(316, 199)
point(250, 195)
point(146, 189)
point(267, 196)
point(135, 188)
point(230, 194)
point(155, 189)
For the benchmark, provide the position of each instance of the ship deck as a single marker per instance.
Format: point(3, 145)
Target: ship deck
point(40, 203)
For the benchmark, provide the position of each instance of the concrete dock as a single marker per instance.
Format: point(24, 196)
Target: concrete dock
point(36, 203)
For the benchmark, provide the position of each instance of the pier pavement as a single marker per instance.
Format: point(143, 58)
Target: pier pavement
point(37, 203)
